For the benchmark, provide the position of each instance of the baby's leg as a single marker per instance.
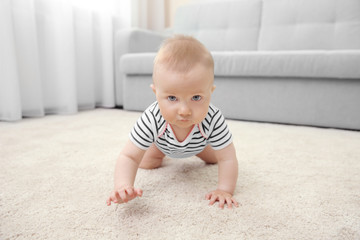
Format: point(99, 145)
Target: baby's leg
point(153, 158)
point(208, 155)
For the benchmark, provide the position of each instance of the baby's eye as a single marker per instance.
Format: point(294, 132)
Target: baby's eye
point(172, 98)
point(196, 98)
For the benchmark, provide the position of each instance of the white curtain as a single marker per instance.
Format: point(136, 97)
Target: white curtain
point(56, 56)
point(150, 14)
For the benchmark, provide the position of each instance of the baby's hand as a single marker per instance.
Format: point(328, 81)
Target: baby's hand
point(123, 195)
point(222, 197)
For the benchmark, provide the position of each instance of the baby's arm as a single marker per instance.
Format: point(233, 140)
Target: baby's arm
point(228, 173)
point(125, 172)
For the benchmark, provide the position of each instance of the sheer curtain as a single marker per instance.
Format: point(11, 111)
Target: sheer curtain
point(56, 56)
point(150, 14)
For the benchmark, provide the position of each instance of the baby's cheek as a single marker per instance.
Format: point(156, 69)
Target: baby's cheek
point(201, 113)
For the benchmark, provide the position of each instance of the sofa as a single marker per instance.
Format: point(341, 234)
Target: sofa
point(278, 61)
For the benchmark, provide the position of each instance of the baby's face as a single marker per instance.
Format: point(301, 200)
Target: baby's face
point(184, 98)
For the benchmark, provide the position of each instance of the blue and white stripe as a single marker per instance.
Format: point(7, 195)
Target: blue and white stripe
point(151, 127)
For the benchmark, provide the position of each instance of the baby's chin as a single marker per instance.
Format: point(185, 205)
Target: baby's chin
point(184, 123)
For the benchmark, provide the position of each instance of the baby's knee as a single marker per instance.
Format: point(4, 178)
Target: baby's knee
point(210, 160)
point(208, 155)
point(151, 163)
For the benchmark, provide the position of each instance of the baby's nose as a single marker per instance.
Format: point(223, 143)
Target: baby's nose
point(184, 110)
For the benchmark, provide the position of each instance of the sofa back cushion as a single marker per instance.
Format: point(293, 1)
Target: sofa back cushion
point(310, 24)
point(221, 25)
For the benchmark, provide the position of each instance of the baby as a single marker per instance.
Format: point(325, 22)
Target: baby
point(181, 123)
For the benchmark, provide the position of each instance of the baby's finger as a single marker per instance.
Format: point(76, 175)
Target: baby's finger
point(213, 199)
point(123, 196)
point(116, 197)
point(138, 192)
point(208, 196)
point(221, 202)
point(129, 191)
point(108, 201)
point(229, 202)
point(235, 202)
point(113, 198)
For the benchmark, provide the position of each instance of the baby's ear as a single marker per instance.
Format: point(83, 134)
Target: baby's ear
point(153, 88)
point(213, 88)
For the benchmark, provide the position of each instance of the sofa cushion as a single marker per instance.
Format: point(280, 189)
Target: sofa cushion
point(222, 25)
point(316, 64)
point(308, 24)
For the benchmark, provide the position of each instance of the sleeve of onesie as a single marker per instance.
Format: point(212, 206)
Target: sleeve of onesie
point(142, 134)
point(220, 136)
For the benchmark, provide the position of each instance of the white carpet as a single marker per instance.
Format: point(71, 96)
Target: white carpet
point(294, 183)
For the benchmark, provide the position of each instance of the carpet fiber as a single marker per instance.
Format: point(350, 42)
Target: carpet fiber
point(294, 183)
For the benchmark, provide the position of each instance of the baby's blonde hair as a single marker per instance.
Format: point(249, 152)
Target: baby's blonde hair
point(181, 53)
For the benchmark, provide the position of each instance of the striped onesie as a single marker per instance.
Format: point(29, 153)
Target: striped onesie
point(151, 127)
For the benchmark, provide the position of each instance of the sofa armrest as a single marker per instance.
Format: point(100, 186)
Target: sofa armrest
point(136, 41)
point(133, 41)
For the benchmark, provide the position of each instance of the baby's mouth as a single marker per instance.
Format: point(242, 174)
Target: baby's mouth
point(184, 120)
